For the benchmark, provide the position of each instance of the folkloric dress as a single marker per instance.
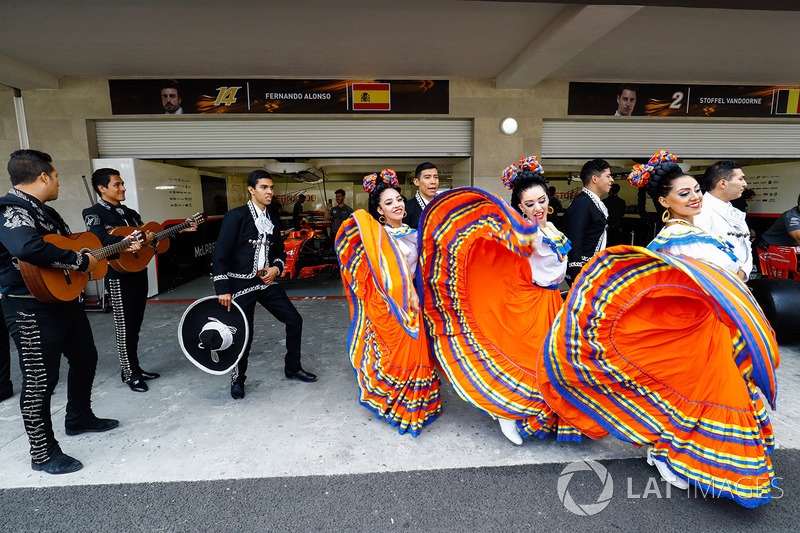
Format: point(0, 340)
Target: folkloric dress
point(485, 318)
point(387, 348)
point(664, 349)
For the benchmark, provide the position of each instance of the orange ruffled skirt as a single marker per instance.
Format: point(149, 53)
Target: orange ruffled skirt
point(666, 350)
point(485, 319)
point(389, 353)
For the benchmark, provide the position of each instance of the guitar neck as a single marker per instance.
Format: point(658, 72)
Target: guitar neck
point(173, 230)
point(111, 249)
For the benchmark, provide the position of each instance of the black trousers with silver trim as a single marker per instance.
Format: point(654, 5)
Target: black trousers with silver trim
point(128, 299)
point(5, 357)
point(274, 300)
point(43, 332)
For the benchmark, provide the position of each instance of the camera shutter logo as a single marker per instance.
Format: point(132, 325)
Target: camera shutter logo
point(587, 509)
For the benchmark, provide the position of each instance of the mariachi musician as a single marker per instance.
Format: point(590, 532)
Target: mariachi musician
point(128, 290)
point(43, 331)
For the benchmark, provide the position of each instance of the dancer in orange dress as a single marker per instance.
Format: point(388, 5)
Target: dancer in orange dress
point(667, 350)
point(387, 347)
point(490, 295)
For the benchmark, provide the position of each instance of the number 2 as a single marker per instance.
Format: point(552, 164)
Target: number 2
point(677, 100)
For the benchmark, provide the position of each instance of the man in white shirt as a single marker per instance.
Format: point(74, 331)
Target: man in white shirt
point(724, 181)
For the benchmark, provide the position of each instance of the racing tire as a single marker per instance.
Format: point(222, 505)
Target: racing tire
point(780, 301)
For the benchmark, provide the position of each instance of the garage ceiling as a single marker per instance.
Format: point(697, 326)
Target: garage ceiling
point(517, 43)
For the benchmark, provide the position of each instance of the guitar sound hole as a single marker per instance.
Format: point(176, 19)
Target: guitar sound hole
point(67, 279)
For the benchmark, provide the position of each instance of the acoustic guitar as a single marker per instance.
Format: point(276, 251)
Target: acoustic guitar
point(138, 261)
point(53, 285)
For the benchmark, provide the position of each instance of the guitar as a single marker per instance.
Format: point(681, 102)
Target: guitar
point(53, 285)
point(137, 261)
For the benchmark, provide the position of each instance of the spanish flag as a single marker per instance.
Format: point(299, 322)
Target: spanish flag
point(788, 102)
point(371, 97)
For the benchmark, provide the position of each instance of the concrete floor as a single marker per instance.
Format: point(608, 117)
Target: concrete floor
point(187, 427)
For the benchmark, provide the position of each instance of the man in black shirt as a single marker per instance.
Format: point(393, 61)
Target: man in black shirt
point(786, 230)
point(298, 211)
point(616, 211)
point(43, 331)
point(339, 212)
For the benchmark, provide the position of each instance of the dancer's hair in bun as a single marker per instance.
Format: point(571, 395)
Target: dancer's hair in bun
point(657, 175)
point(375, 184)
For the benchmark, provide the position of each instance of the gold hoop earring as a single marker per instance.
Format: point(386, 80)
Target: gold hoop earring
point(550, 210)
point(382, 219)
point(665, 216)
point(405, 213)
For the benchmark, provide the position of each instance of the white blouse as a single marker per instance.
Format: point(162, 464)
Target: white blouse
point(407, 239)
point(408, 245)
point(682, 238)
point(546, 268)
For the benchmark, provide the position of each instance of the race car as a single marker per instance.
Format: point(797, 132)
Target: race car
point(309, 256)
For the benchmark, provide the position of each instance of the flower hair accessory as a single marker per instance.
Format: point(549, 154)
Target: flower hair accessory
point(388, 176)
point(531, 163)
point(640, 174)
point(526, 163)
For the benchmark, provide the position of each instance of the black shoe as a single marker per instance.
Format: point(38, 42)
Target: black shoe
point(148, 375)
point(91, 425)
point(237, 391)
point(137, 384)
point(60, 464)
point(300, 374)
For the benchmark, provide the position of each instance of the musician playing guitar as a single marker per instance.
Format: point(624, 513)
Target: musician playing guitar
point(128, 290)
point(43, 331)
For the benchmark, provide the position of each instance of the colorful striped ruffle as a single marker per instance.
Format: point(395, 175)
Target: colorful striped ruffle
point(485, 319)
point(558, 243)
point(666, 350)
point(388, 351)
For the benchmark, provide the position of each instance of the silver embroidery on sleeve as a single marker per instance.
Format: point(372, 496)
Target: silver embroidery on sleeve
point(91, 220)
point(17, 217)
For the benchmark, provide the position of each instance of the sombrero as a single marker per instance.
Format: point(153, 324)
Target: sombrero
point(212, 337)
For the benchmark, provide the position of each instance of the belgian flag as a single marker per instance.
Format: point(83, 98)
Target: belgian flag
point(372, 97)
point(788, 102)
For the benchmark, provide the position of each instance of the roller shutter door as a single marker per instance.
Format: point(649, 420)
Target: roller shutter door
point(625, 138)
point(166, 139)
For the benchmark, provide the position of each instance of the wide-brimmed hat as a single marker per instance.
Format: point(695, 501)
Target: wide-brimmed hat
point(212, 337)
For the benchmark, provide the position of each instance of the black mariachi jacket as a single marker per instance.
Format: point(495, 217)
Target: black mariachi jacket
point(102, 217)
point(23, 222)
point(584, 225)
point(233, 262)
point(414, 210)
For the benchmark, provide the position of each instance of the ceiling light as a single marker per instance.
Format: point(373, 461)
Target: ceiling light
point(508, 126)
